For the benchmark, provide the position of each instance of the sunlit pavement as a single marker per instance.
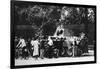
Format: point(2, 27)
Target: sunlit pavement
point(33, 61)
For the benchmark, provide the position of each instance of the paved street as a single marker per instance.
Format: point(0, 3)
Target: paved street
point(32, 61)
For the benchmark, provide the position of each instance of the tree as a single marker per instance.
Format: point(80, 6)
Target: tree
point(40, 16)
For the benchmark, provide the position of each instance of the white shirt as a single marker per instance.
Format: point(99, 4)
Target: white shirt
point(22, 41)
point(50, 41)
point(32, 42)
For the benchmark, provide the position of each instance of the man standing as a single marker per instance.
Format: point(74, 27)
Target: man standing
point(42, 49)
point(22, 46)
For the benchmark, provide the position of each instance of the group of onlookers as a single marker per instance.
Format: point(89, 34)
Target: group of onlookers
point(50, 47)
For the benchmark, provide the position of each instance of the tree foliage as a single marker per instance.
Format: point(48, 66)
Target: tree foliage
point(40, 16)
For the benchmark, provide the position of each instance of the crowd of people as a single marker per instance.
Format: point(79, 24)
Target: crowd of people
point(50, 47)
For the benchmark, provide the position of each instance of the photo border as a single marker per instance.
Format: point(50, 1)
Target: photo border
point(12, 32)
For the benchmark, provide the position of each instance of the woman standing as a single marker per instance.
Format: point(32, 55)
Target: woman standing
point(35, 44)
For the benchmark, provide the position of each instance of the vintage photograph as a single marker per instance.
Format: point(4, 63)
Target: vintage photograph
point(52, 33)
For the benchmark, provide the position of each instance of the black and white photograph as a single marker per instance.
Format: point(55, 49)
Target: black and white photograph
point(50, 34)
